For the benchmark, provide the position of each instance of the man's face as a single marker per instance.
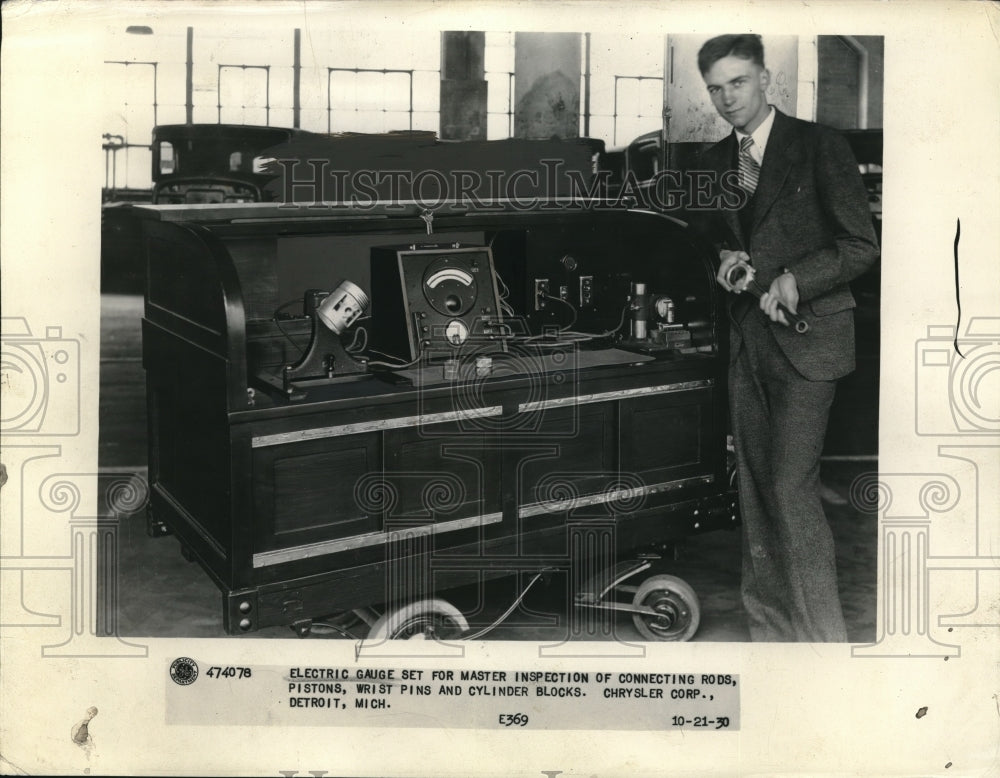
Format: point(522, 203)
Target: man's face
point(737, 87)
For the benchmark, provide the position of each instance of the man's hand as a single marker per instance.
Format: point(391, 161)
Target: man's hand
point(726, 260)
point(783, 290)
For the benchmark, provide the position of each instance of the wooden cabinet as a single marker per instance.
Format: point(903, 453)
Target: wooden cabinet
point(296, 503)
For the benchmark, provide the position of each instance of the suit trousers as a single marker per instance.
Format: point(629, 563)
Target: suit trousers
point(779, 419)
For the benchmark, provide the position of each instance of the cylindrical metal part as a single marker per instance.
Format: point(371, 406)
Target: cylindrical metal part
point(739, 276)
point(342, 307)
point(640, 311)
point(665, 309)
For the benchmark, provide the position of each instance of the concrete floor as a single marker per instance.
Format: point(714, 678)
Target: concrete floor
point(163, 595)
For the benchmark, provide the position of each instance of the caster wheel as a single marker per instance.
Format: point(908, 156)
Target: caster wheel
point(424, 620)
point(678, 612)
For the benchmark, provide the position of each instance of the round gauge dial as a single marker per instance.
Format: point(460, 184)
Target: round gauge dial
point(450, 286)
point(456, 332)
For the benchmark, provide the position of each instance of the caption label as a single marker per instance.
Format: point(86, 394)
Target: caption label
point(464, 698)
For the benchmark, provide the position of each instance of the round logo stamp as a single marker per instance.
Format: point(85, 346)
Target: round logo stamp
point(183, 671)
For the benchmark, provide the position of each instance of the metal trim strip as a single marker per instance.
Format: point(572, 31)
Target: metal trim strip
point(317, 433)
point(280, 556)
point(644, 391)
point(557, 506)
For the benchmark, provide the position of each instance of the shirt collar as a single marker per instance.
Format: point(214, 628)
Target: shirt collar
point(761, 134)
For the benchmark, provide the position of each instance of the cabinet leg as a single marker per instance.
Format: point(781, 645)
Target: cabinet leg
point(154, 527)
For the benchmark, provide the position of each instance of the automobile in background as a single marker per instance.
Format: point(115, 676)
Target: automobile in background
point(191, 163)
point(867, 148)
point(226, 164)
point(214, 163)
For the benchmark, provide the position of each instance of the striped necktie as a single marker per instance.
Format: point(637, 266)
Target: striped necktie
point(749, 169)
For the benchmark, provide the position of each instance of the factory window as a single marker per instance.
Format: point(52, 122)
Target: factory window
point(167, 160)
point(369, 100)
point(625, 85)
point(243, 92)
point(498, 64)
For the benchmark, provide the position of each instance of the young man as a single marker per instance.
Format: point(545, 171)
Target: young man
point(807, 232)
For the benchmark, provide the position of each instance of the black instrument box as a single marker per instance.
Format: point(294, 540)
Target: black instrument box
point(431, 299)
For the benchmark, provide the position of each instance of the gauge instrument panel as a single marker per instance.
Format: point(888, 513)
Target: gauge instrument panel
point(431, 298)
point(450, 287)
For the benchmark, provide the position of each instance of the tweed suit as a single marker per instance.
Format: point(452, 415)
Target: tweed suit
point(810, 216)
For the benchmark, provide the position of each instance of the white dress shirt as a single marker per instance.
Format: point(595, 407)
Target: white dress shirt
point(760, 136)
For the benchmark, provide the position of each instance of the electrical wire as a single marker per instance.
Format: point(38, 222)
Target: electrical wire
point(354, 343)
point(504, 289)
point(607, 333)
point(566, 303)
point(288, 337)
point(565, 335)
point(277, 323)
point(506, 613)
point(510, 610)
point(476, 635)
point(334, 628)
point(391, 364)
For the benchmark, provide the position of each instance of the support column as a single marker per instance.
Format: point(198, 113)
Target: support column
point(463, 86)
point(984, 560)
point(903, 621)
point(94, 608)
point(189, 78)
point(297, 80)
point(15, 562)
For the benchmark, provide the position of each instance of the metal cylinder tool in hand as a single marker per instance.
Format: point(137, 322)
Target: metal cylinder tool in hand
point(741, 277)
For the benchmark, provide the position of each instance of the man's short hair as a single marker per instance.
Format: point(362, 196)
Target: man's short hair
point(742, 46)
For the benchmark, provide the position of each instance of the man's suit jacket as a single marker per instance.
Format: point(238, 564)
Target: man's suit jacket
point(810, 216)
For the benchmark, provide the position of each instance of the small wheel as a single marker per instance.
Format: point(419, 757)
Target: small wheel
point(423, 620)
point(676, 604)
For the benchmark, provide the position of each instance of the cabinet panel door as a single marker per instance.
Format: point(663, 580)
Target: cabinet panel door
point(315, 490)
point(670, 436)
point(441, 473)
point(565, 475)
